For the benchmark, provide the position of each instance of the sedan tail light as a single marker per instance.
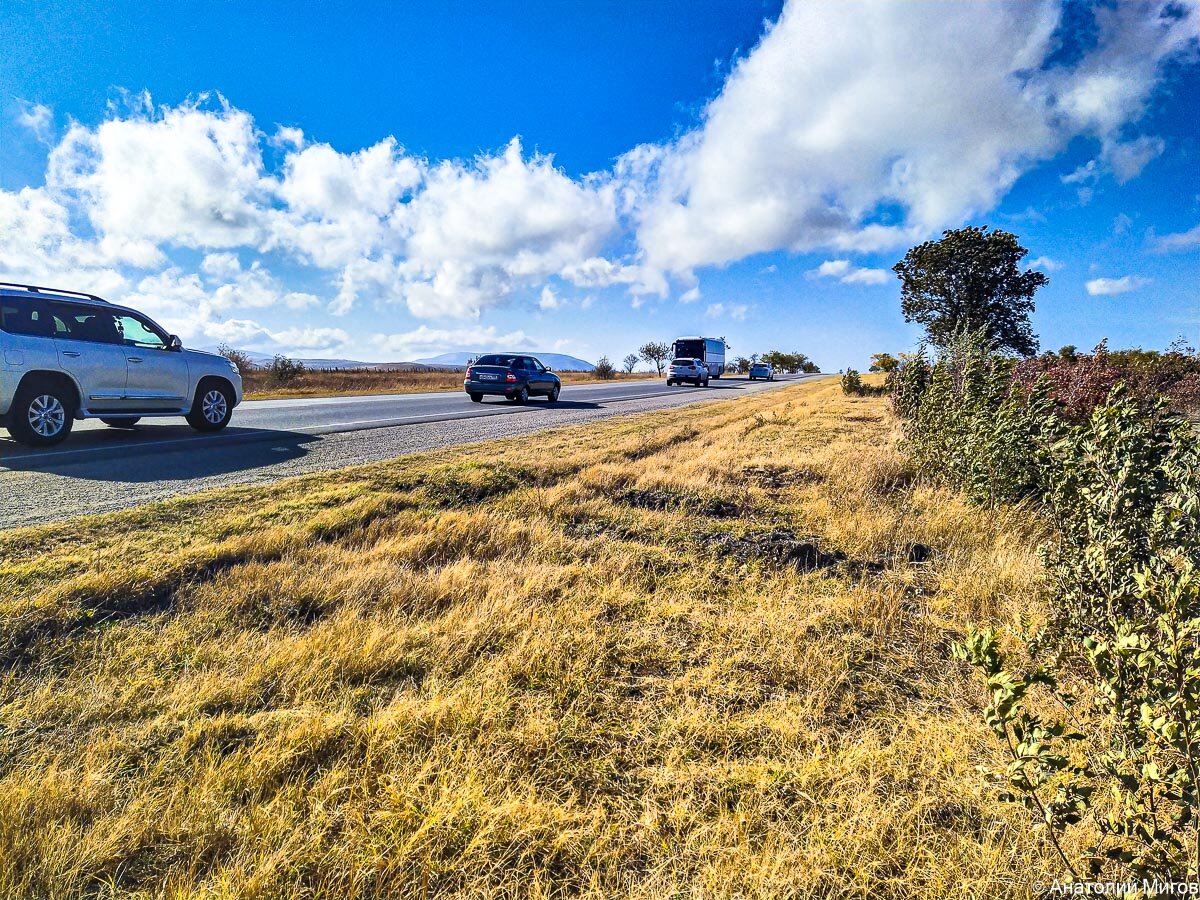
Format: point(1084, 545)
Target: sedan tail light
point(468, 374)
point(510, 377)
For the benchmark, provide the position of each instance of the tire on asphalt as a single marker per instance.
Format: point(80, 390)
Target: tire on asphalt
point(552, 397)
point(476, 398)
point(120, 421)
point(213, 405)
point(43, 412)
point(521, 396)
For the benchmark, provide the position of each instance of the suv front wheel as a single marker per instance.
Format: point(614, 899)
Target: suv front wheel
point(213, 407)
point(42, 413)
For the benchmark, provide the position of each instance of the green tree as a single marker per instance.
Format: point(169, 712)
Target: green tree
point(742, 365)
point(970, 281)
point(604, 369)
point(884, 362)
point(789, 362)
point(656, 353)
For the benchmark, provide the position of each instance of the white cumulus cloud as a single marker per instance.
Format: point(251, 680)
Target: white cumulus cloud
point(864, 126)
point(1106, 287)
point(843, 271)
point(187, 176)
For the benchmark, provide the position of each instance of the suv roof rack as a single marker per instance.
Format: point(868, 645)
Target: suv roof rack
point(45, 290)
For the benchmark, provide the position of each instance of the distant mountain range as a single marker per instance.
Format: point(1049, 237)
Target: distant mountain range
point(559, 361)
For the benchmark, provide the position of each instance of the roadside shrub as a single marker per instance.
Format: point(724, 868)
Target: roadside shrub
point(968, 422)
point(1103, 725)
point(1106, 482)
point(1098, 707)
point(853, 385)
point(604, 369)
point(239, 358)
point(285, 370)
point(1079, 383)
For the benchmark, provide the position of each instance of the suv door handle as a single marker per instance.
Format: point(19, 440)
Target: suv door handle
point(134, 359)
point(74, 354)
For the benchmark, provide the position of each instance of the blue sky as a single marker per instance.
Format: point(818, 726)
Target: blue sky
point(387, 181)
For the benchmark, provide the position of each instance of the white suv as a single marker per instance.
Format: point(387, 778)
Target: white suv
point(67, 356)
point(684, 369)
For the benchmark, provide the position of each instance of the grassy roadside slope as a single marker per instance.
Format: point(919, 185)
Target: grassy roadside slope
point(682, 653)
point(328, 383)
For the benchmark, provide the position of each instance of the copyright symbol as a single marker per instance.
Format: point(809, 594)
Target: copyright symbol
point(1039, 888)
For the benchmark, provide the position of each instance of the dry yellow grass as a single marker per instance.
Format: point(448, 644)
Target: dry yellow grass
point(328, 383)
point(580, 672)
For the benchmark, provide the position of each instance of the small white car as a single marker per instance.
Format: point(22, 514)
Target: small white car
point(67, 356)
point(762, 370)
point(691, 370)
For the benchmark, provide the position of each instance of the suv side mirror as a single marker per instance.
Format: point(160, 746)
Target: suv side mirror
point(174, 343)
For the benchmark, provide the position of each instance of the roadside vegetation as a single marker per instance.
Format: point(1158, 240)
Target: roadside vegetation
point(1096, 697)
point(1095, 691)
point(702, 652)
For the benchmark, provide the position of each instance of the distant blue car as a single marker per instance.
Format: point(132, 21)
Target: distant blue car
point(762, 370)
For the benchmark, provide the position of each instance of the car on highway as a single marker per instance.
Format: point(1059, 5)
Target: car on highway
point(514, 376)
point(65, 355)
point(762, 370)
point(691, 370)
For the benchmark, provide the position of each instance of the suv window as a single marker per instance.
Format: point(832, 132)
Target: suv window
point(27, 316)
point(138, 332)
point(84, 323)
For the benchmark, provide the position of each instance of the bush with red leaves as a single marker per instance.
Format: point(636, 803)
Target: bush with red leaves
point(1078, 383)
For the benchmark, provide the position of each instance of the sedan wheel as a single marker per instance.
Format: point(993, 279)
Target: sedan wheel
point(553, 398)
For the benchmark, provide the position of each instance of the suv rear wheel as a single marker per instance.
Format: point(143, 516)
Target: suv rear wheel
point(42, 413)
point(213, 407)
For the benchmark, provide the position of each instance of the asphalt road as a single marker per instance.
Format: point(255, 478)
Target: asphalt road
point(99, 469)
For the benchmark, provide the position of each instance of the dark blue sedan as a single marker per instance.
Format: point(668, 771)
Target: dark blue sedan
point(510, 375)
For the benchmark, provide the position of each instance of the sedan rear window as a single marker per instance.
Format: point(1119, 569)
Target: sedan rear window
point(496, 359)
